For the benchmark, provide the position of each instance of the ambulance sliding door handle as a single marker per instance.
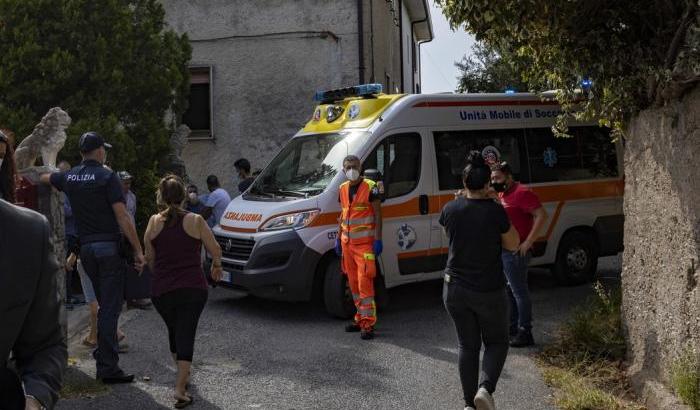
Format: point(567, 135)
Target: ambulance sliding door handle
point(423, 204)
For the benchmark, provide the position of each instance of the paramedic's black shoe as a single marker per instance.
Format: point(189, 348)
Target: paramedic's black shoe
point(352, 328)
point(522, 339)
point(367, 334)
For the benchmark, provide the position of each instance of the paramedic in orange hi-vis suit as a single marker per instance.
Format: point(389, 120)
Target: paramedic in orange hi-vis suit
point(359, 243)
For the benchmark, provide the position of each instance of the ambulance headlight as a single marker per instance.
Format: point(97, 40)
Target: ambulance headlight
point(295, 220)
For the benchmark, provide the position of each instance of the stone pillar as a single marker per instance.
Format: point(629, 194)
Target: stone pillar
point(50, 204)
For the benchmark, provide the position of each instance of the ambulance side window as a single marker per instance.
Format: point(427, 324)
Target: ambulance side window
point(587, 154)
point(398, 158)
point(452, 148)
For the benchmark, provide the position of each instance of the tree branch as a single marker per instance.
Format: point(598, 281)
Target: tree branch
point(675, 46)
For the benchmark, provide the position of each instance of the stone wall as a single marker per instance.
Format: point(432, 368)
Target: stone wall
point(268, 59)
point(661, 299)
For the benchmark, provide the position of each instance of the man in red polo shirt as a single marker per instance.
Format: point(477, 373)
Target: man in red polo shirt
point(528, 217)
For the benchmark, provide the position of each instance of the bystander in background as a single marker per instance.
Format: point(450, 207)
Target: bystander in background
point(528, 217)
point(216, 203)
point(8, 172)
point(245, 178)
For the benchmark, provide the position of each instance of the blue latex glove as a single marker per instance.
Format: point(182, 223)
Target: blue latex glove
point(378, 247)
point(338, 247)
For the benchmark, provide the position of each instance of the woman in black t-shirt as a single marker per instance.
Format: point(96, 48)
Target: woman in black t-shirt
point(474, 293)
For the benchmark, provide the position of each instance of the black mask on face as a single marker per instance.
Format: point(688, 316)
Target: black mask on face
point(499, 186)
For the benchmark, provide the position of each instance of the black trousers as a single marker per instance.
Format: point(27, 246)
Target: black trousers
point(180, 310)
point(478, 316)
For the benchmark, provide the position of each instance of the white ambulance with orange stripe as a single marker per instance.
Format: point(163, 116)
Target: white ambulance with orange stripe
point(278, 237)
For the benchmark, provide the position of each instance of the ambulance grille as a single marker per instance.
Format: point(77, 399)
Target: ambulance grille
point(233, 248)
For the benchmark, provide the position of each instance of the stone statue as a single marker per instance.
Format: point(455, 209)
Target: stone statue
point(46, 140)
point(177, 143)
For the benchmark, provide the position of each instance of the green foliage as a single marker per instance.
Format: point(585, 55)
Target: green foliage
point(594, 331)
point(584, 364)
point(112, 65)
point(637, 52)
point(486, 71)
point(576, 392)
point(685, 378)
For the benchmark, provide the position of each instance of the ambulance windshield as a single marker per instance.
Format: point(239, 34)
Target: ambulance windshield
point(305, 166)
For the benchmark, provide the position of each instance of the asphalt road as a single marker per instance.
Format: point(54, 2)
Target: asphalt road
point(258, 354)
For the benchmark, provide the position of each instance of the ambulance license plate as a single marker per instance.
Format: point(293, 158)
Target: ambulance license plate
point(226, 276)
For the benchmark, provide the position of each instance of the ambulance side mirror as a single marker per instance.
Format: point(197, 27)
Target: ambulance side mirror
point(376, 176)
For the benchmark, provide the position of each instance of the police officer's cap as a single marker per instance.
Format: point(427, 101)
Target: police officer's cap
point(91, 141)
point(124, 175)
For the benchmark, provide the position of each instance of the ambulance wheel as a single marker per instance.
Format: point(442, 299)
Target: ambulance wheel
point(577, 259)
point(336, 292)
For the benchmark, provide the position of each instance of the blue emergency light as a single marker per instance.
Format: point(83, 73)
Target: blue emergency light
point(586, 83)
point(364, 90)
point(510, 90)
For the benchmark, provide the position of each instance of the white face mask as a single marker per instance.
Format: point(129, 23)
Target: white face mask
point(193, 196)
point(352, 174)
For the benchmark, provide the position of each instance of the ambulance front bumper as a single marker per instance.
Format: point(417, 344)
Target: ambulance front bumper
point(277, 266)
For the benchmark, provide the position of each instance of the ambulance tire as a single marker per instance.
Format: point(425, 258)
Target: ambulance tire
point(577, 259)
point(336, 292)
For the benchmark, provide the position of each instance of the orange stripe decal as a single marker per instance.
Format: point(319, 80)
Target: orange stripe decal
point(551, 193)
point(242, 230)
point(555, 218)
point(328, 218)
point(424, 253)
point(584, 190)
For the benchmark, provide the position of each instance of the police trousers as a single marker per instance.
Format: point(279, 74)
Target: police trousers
point(106, 268)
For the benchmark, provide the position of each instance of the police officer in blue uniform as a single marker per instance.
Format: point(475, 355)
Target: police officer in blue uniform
point(99, 207)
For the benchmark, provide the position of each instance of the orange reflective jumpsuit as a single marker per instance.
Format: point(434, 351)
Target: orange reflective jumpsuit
point(357, 227)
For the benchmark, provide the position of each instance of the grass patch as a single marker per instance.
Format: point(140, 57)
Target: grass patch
point(77, 384)
point(685, 378)
point(584, 364)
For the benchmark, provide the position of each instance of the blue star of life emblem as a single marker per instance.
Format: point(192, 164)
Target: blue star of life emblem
point(550, 157)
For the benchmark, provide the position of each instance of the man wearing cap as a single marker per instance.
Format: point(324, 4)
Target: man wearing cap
point(126, 178)
point(99, 207)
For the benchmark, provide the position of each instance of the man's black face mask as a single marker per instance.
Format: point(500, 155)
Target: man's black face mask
point(499, 186)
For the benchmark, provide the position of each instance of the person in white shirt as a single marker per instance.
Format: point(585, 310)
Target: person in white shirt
point(216, 202)
point(126, 178)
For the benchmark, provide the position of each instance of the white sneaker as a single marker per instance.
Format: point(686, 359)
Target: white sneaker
point(483, 400)
point(469, 408)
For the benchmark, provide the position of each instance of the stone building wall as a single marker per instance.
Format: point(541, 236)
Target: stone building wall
point(268, 59)
point(661, 299)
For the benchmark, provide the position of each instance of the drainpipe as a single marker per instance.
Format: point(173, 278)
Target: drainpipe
point(420, 72)
point(361, 39)
point(403, 89)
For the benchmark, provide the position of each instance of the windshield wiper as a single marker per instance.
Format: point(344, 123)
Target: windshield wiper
point(291, 193)
point(260, 192)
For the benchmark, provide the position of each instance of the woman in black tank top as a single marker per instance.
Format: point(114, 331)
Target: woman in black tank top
point(173, 242)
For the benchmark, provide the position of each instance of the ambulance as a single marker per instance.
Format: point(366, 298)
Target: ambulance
point(278, 237)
